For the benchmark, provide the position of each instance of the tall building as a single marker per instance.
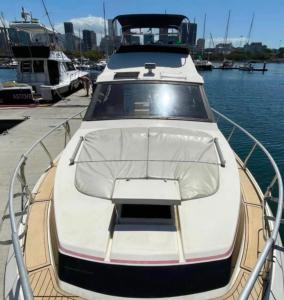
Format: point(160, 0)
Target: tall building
point(89, 40)
point(68, 27)
point(200, 46)
point(69, 36)
point(4, 45)
point(192, 30)
point(184, 32)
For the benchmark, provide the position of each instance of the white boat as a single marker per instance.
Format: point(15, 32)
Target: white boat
point(41, 63)
point(148, 199)
point(50, 72)
point(12, 92)
point(203, 65)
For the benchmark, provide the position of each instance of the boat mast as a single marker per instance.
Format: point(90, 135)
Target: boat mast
point(80, 47)
point(227, 28)
point(204, 26)
point(49, 20)
point(203, 36)
point(104, 10)
point(105, 29)
point(212, 41)
point(250, 29)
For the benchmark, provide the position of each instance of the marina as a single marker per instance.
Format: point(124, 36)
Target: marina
point(128, 170)
point(135, 206)
point(224, 99)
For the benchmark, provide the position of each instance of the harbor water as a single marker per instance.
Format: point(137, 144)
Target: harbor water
point(253, 100)
point(7, 75)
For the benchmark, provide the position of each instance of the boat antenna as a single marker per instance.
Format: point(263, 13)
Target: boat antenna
point(80, 47)
point(227, 28)
point(250, 29)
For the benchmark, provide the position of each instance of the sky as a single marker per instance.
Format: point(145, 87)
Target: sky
point(88, 14)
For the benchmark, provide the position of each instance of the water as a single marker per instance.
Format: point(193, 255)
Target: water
point(7, 75)
point(256, 102)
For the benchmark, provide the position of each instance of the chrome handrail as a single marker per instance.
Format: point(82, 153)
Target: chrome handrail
point(26, 288)
point(271, 241)
point(24, 279)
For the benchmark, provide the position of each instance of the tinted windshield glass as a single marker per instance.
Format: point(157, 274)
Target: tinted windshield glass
point(147, 100)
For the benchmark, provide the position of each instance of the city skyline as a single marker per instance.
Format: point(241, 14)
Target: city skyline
point(268, 25)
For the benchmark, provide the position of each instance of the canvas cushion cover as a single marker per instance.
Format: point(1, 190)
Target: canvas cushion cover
point(163, 153)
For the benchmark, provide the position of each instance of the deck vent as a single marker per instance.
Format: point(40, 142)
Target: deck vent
point(126, 75)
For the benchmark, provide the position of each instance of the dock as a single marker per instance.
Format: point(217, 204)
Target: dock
point(31, 124)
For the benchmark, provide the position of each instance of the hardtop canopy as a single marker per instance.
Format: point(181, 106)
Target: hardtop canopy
point(150, 20)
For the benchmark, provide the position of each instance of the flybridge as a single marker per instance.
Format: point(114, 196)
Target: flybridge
point(148, 30)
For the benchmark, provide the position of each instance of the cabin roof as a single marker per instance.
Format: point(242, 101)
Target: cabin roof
point(169, 67)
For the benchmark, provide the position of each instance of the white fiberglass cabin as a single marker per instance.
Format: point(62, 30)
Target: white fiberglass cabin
point(148, 199)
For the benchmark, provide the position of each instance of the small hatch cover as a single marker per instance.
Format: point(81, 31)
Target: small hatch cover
point(126, 75)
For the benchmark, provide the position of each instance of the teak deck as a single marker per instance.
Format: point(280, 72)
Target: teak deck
point(43, 276)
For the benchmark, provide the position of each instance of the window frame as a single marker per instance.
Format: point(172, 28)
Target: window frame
point(33, 67)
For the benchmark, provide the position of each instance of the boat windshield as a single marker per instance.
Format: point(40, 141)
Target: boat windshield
point(147, 100)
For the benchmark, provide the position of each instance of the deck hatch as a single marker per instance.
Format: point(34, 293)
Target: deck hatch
point(126, 75)
point(145, 211)
point(146, 191)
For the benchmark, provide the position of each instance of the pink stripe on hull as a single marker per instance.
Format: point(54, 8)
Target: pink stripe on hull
point(145, 262)
point(81, 255)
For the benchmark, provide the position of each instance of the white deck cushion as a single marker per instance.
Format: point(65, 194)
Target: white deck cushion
point(166, 153)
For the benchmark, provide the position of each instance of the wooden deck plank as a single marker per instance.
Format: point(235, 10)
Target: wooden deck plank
point(255, 241)
point(36, 247)
point(248, 190)
point(45, 189)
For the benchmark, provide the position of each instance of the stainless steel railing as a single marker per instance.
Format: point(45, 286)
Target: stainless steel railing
point(26, 199)
point(19, 174)
point(277, 220)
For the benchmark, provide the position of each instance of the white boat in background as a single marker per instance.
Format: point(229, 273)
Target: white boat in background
point(148, 199)
point(50, 72)
point(12, 64)
point(16, 93)
point(41, 63)
point(203, 65)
